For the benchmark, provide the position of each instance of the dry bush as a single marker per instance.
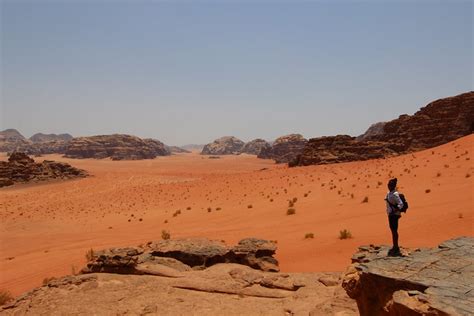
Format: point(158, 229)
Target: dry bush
point(365, 200)
point(90, 255)
point(165, 235)
point(249, 206)
point(467, 175)
point(218, 209)
point(460, 215)
point(188, 208)
point(345, 234)
point(309, 236)
point(5, 297)
point(291, 211)
point(427, 191)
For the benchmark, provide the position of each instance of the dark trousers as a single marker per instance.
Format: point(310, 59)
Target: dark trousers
point(393, 223)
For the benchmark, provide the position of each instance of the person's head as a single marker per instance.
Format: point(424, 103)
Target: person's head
point(392, 184)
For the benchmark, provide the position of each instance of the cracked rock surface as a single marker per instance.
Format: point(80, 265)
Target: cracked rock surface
point(434, 281)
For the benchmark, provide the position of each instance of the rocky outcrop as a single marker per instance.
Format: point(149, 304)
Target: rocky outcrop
point(374, 130)
point(227, 145)
point(255, 146)
point(284, 149)
point(47, 147)
point(43, 138)
point(11, 140)
point(436, 281)
point(437, 123)
point(177, 150)
point(20, 168)
point(341, 148)
point(116, 147)
point(165, 285)
point(190, 253)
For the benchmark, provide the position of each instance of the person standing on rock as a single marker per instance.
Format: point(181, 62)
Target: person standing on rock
point(394, 205)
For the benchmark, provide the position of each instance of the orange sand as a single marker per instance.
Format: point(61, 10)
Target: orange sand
point(47, 228)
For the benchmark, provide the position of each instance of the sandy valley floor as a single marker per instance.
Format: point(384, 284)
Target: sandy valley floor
point(46, 229)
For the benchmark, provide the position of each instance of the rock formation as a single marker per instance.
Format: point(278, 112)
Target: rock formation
point(11, 140)
point(341, 148)
point(116, 146)
point(20, 168)
point(373, 130)
point(192, 253)
point(168, 286)
point(42, 138)
point(255, 146)
point(285, 148)
point(437, 123)
point(438, 281)
point(227, 145)
point(177, 150)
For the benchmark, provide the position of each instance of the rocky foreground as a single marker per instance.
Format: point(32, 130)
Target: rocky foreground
point(20, 168)
point(188, 276)
point(438, 281)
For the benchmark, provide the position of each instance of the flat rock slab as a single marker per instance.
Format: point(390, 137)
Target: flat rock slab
point(437, 281)
point(223, 289)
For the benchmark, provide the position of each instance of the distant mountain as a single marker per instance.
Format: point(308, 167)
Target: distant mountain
point(284, 149)
point(41, 138)
point(193, 147)
point(12, 140)
point(176, 150)
point(227, 145)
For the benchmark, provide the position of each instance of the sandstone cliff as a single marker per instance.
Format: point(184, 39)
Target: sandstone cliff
point(284, 149)
point(41, 138)
point(11, 140)
point(438, 281)
point(437, 123)
point(22, 169)
point(116, 147)
point(255, 146)
point(227, 145)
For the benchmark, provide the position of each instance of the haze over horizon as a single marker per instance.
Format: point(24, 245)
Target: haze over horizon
point(191, 72)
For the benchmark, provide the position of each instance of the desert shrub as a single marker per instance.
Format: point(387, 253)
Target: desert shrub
point(438, 174)
point(176, 213)
point(460, 215)
point(427, 191)
point(90, 255)
point(345, 234)
point(249, 206)
point(188, 208)
point(365, 200)
point(218, 209)
point(306, 195)
point(209, 209)
point(5, 297)
point(165, 235)
point(271, 200)
point(291, 203)
point(467, 175)
point(308, 236)
point(291, 211)
point(47, 280)
point(379, 183)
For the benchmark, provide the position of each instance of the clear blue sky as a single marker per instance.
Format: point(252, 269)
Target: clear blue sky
point(191, 71)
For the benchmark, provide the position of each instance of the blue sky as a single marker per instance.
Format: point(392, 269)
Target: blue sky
point(191, 71)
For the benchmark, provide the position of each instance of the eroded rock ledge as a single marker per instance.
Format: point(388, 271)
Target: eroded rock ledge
point(437, 281)
point(187, 276)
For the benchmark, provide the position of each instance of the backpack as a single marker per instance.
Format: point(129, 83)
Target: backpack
point(404, 201)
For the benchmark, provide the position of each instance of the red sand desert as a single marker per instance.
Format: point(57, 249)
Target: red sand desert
point(47, 228)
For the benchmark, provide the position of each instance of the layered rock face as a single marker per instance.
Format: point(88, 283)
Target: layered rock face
point(20, 168)
point(438, 281)
point(437, 123)
point(190, 253)
point(227, 145)
point(177, 150)
point(341, 148)
point(255, 146)
point(11, 140)
point(42, 138)
point(186, 277)
point(285, 148)
point(116, 147)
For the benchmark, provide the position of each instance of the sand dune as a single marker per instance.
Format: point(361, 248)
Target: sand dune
point(47, 228)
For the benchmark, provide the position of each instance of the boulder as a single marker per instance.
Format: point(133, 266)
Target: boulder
point(255, 146)
point(116, 147)
point(20, 168)
point(435, 281)
point(227, 145)
point(284, 149)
